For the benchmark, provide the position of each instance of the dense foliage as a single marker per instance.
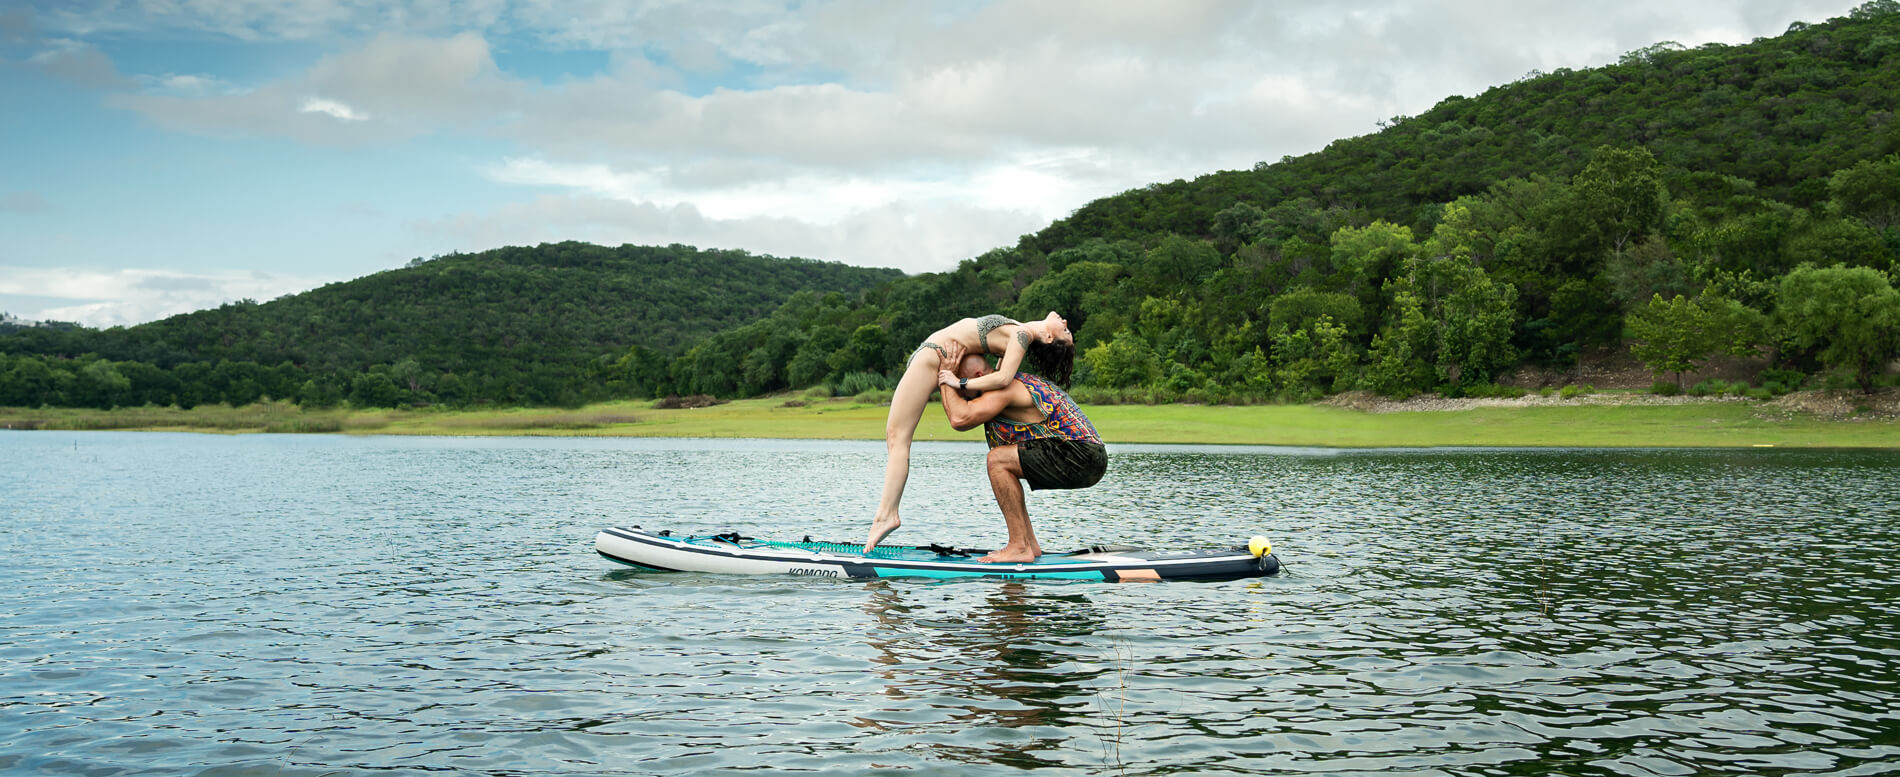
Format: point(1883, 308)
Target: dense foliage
point(513, 325)
point(1521, 226)
point(1681, 202)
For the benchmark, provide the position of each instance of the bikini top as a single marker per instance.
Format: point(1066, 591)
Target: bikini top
point(984, 326)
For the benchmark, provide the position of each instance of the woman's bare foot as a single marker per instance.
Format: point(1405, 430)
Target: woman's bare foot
point(879, 528)
point(1017, 554)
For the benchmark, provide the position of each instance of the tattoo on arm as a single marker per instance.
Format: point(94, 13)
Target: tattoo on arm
point(1022, 339)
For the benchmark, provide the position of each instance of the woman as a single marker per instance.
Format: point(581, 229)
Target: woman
point(1047, 341)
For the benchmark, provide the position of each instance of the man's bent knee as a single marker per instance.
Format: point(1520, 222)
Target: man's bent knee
point(1005, 459)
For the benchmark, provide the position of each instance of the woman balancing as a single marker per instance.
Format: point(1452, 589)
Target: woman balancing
point(1048, 342)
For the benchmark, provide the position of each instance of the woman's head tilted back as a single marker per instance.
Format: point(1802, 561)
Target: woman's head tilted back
point(1053, 352)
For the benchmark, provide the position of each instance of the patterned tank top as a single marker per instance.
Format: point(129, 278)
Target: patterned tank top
point(1062, 418)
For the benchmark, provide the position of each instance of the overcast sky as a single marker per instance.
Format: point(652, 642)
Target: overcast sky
point(162, 156)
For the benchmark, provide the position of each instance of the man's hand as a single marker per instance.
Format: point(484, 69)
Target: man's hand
point(952, 359)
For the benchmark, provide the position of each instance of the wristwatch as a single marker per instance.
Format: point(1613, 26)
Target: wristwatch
point(963, 384)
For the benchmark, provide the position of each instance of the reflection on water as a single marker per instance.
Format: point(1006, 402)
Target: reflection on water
point(177, 604)
point(1015, 660)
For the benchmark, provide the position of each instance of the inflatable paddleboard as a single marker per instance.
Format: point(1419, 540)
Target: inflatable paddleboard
point(733, 554)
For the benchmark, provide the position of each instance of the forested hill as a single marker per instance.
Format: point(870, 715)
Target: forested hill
point(513, 324)
point(1778, 115)
point(1679, 203)
point(1524, 225)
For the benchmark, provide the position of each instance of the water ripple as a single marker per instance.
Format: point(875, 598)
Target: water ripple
point(183, 604)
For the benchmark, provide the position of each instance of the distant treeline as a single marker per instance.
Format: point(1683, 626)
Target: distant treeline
point(511, 326)
point(1681, 203)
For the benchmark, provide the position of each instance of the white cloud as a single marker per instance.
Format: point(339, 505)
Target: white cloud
point(122, 297)
point(272, 20)
point(76, 62)
point(188, 85)
point(907, 134)
point(904, 235)
point(332, 108)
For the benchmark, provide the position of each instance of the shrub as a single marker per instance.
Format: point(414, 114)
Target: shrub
point(1781, 381)
point(1666, 388)
point(855, 383)
point(1839, 382)
point(1208, 395)
point(1572, 391)
point(1715, 388)
point(1138, 395)
point(1182, 379)
point(1759, 393)
point(1297, 394)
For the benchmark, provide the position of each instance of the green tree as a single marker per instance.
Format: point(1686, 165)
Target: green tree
point(1869, 191)
point(1238, 225)
point(1617, 199)
point(29, 383)
point(1836, 240)
point(1077, 291)
point(1313, 360)
point(862, 352)
point(99, 384)
point(1176, 264)
point(1399, 363)
point(1125, 360)
point(1678, 334)
point(319, 393)
point(1363, 257)
point(374, 389)
point(808, 365)
point(1873, 9)
point(1850, 315)
point(411, 375)
point(1645, 270)
point(1300, 306)
point(1453, 318)
point(1474, 325)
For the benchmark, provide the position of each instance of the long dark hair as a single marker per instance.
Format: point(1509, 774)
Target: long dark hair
point(1055, 362)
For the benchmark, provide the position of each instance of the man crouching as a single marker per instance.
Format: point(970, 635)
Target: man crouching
point(1036, 433)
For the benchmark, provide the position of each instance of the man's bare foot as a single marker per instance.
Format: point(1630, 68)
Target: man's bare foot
point(879, 528)
point(1009, 554)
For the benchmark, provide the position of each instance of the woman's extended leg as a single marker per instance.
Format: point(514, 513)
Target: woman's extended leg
point(907, 407)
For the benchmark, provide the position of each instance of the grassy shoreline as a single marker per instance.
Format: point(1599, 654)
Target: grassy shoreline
point(1711, 423)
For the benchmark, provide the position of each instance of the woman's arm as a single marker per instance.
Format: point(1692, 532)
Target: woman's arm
point(1012, 360)
point(967, 414)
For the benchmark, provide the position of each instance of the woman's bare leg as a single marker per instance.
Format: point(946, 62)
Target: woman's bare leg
point(907, 407)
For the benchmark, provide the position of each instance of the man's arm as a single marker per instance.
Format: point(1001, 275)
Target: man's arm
point(967, 414)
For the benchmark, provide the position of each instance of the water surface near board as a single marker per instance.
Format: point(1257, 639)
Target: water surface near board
point(186, 604)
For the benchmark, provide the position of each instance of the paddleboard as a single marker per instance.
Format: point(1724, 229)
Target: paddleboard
point(734, 554)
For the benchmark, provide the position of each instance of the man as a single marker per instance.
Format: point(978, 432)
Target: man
point(1035, 432)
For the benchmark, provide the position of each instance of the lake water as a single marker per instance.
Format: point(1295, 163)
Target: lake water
point(187, 604)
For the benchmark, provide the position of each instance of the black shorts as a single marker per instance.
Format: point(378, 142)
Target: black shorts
point(1058, 463)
